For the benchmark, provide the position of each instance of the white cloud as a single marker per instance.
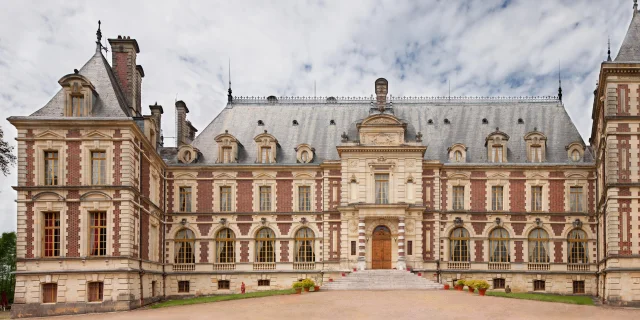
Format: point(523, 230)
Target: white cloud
point(481, 48)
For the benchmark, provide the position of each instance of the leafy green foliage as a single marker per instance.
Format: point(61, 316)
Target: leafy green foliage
point(308, 283)
point(582, 300)
point(7, 158)
point(8, 264)
point(198, 300)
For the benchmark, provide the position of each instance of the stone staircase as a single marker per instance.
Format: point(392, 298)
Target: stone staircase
point(381, 280)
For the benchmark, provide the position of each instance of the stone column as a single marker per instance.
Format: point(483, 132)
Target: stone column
point(401, 264)
point(362, 263)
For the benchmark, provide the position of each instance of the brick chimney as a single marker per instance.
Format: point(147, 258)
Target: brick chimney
point(124, 51)
point(156, 113)
point(185, 131)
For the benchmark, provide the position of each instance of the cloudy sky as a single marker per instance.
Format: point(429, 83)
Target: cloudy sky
point(488, 47)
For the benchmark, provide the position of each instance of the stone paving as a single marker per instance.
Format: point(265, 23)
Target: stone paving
point(385, 305)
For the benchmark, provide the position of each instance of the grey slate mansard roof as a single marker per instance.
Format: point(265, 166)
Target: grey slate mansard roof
point(630, 48)
point(465, 116)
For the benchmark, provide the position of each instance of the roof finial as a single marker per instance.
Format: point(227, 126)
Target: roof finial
point(99, 33)
point(609, 47)
point(229, 96)
point(635, 7)
point(559, 83)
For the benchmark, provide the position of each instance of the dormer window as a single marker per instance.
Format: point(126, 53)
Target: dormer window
point(575, 151)
point(80, 95)
point(457, 153)
point(496, 144)
point(77, 105)
point(187, 154)
point(332, 123)
point(535, 153)
point(496, 153)
point(304, 153)
point(536, 145)
point(265, 154)
point(575, 156)
point(267, 146)
point(227, 148)
point(226, 155)
point(260, 123)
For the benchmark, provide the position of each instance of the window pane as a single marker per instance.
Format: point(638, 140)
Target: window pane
point(265, 198)
point(225, 246)
point(98, 234)
point(536, 198)
point(304, 245)
point(51, 168)
point(265, 244)
point(382, 188)
point(98, 167)
point(496, 198)
point(458, 198)
point(51, 234)
point(185, 199)
point(575, 198)
point(184, 246)
point(304, 198)
point(225, 199)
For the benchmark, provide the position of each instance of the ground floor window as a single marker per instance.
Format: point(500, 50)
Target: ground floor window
point(96, 290)
point(183, 286)
point(409, 248)
point(578, 287)
point(498, 283)
point(538, 285)
point(264, 283)
point(353, 248)
point(153, 288)
point(224, 284)
point(49, 293)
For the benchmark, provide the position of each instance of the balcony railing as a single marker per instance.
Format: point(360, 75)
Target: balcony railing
point(264, 266)
point(578, 267)
point(184, 267)
point(458, 265)
point(538, 266)
point(224, 266)
point(304, 265)
point(499, 266)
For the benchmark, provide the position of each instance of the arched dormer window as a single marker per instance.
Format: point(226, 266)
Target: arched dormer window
point(536, 146)
point(457, 153)
point(496, 144)
point(187, 154)
point(267, 148)
point(304, 153)
point(80, 95)
point(227, 148)
point(575, 151)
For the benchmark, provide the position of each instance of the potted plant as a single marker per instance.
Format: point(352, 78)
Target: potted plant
point(308, 284)
point(297, 286)
point(446, 286)
point(316, 288)
point(471, 285)
point(459, 285)
point(482, 286)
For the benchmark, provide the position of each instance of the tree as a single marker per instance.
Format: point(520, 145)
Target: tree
point(8, 264)
point(7, 158)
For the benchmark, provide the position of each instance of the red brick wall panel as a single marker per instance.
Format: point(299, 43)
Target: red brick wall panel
point(74, 165)
point(478, 227)
point(204, 202)
point(284, 228)
point(284, 251)
point(518, 228)
point(334, 187)
point(478, 192)
point(517, 192)
point(244, 217)
point(285, 217)
point(244, 251)
point(319, 195)
point(428, 254)
point(244, 201)
point(204, 229)
point(557, 246)
point(204, 251)
point(334, 252)
point(31, 162)
point(30, 230)
point(623, 108)
point(284, 195)
point(170, 194)
point(479, 250)
point(73, 225)
point(244, 228)
point(557, 228)
point(518, 251)
point(115, 237)
point(556, 192)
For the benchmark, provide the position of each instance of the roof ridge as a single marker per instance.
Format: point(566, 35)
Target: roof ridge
point(392, 99)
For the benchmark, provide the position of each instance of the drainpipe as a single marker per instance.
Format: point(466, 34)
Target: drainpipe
point(141, 273)
point(164, 212)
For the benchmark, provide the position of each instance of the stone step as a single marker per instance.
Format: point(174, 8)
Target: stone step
point(382, 280)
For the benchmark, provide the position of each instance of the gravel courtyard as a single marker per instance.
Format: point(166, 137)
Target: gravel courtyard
point(385, 305)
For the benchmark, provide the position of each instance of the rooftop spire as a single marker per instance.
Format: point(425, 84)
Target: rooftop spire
point(99, 33)
point(229, 96)
point(609, 50)
point(559, 83)
point(635, 7)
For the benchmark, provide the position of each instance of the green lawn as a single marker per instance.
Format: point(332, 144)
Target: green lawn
point(188, 301)
point(583, 300)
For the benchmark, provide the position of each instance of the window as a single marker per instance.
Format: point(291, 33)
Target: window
point(265, 244)
point(184, 247)
point(183, 286)
point(536, 198)
point(265, 198)
point(575, 156)
point(499, 246)
point(185, 199)
point(457, 156)
point(153, 288)
point(265, 155)
point(538, 285)
point(264, 283)
point(225, 241)
point(226, 155)
point(51, 234)
point(409, 247)
point(96, 290)
point(225, 199)
point(498, 283)
point(575, 199)
point(98, 167)
point(538, 246)
point(496, 198)
point(353, 248)
point(49, 293)
point(622, 98)
point(98, 234)
point(304, 245)
point(578, 247)
point(51, 168)
point(304, 198)
point(77, 101)
point(459, 245)
point(578, 287)
point(224, 284)
point(382, 188)
point(496, 153)
point(536, 153)
point(458, 198)
point(305, 157)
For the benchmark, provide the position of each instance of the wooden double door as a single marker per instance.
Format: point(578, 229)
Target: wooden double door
point(381, 248)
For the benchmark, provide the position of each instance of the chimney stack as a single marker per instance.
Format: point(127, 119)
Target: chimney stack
point(382, 88)
point(124, 51)
point(156, 113)
point(185, 131)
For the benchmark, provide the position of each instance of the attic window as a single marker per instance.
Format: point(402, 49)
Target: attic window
point(430, 121)
point(332, 100)
point(446, 121)
point(485, 121)
point(272, 99)
point(520, 121)
point(260, 123)
point(295, 122)
point(332, 122)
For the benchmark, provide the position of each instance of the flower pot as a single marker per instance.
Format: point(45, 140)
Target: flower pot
point(306, 289)
point(316, 288)
point(298, 290)
point(471, 290)
point(482, 291)
point(446, 287)
point(330, 279)
point(354, 269)
point(344, 274)
point(419, 274)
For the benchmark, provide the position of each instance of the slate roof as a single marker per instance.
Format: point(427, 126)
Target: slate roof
point(110, 103)
point(464, 114)
point(630, 48)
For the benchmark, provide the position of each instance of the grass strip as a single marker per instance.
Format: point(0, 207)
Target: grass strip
point(581, 300)
point(237, 296)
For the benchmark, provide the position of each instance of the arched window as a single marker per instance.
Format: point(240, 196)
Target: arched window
point(265, 246)
point(457, 156)
point(185, 247)
point(225, 240)
point(499, 246)
point(304, 245)
point(459, 245)
point(575, 155)
point(578, 247)
point(539, 246)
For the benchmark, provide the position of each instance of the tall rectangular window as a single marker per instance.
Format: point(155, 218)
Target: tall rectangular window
point(96, 290)
point(575, 199)
point(382, 188)
point(98, 167)
point(496, 198)
point(536, 153)
point(496, 153)
point(304, 198)
point(409, 247)
point(353, 248)
point(265, 155)
point(622, 98)
point(98, 233)
point(536, 198)
point(51, 234)
point(226, 155)
point(185, 199)
point(49, 293)
point(265, 198)
point(77, 101)
point(458, 198)
point(51, 168)
point(225, 199)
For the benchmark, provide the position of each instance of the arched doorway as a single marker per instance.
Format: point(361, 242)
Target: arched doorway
point(381, 248)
